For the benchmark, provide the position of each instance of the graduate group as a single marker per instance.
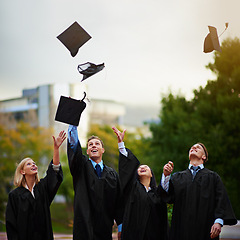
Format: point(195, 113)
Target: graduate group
point(129, 197)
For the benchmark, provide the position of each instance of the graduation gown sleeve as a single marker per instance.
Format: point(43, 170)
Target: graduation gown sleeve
point(52, 181)
point(127, 171)
point(197, 204)
point(223, 207)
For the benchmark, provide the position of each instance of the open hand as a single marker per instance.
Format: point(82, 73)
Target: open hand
point(59, 140)
point(120, 135)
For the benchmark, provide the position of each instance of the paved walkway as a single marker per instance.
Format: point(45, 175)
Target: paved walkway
point(56, 236)
point(228, 233)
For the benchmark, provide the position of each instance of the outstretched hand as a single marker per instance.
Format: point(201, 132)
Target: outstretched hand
point(59, 140)
point(120, 135)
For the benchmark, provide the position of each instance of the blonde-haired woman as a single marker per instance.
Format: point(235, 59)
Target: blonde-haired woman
point(28, 208)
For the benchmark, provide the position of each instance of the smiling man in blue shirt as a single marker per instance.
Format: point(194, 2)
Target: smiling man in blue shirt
point(97, 200)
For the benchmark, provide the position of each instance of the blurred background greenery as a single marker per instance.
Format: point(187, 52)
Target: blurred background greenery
point(212, 116)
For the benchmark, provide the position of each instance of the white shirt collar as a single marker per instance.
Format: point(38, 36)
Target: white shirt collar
point(147, 189)
point(201, 166)
point(94, 163)
point(26, 186)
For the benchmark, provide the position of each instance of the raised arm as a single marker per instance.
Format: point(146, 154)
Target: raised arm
point(54, 176)
point(57, 142)
point(76, 159)
point(123, 177)
point(167, 170)
point(128, 163)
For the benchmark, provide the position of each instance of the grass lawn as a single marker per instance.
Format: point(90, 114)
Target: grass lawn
point(62, 218)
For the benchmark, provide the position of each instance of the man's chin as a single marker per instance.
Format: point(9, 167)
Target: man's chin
point(94, 158)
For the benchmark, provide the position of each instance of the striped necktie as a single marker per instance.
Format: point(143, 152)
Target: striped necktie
point(195, 170)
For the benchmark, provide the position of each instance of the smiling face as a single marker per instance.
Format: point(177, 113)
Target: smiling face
point(95, 149)
point(29, 168)
point(197, 152)
point(144, 171)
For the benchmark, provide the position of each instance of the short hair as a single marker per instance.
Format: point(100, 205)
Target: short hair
point(95, 137)
point(19, 179)
point(205, 151)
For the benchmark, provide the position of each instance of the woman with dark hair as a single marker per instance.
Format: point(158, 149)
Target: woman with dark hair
point(145, 215)
point(28, 209)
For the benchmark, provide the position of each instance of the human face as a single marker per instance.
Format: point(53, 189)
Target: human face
point(29, 168)
point(197, 151)
point(144, 171)
point(95, 149)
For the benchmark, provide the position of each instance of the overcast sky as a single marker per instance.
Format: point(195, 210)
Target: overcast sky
point(149, 47)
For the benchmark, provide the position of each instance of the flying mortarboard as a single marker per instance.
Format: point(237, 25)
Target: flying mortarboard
point(211, 41)
point(69, 110)
point(88, 69)
point(73, 38)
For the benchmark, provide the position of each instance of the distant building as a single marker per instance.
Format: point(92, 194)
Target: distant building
point(38, 107)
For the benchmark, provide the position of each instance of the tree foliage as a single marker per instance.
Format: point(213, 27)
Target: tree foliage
point(211, 117)
point(66, 187)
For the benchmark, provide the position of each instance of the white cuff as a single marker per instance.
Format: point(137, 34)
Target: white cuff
point(56, 167)
point(122, 149)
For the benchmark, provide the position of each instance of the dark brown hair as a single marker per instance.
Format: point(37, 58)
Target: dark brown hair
point(205, 151)
point(95, 137)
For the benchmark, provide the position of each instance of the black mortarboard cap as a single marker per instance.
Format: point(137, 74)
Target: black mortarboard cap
point(211, 41)
point(73, 38)
point(69, 110)
point(88, 69)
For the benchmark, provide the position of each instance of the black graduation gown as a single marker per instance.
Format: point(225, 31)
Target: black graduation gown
point(29, 218)
point(97, 201)
point(145, 215)
point(197, 204)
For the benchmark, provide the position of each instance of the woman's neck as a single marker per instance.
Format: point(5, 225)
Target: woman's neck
point(145, 182)
point(30, 181)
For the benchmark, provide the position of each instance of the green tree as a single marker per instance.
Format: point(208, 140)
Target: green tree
point(211, 117)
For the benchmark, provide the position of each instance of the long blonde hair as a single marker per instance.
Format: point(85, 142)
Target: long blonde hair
point(19, 179)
